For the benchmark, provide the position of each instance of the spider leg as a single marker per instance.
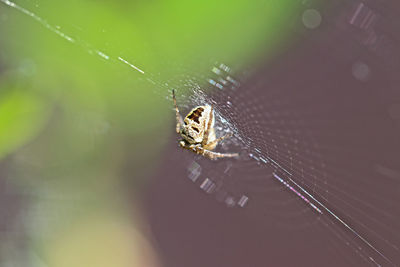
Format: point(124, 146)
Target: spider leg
point(214, 142)
point(207, 131)
point(214, 155)
point(179, 120)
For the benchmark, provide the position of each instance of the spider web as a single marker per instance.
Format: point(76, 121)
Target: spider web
point(302, 161)
point(285, 148)
point(294, 139)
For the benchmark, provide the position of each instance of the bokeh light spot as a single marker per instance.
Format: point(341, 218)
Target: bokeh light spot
point(311, 18)
point(361, 71)
point(101, 242)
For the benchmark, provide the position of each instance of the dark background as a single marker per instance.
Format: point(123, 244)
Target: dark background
point(338, 92)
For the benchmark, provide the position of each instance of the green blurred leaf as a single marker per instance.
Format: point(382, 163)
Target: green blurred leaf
point(22, 115)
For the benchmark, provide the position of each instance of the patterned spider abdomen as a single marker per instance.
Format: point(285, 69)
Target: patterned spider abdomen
point(196, 123)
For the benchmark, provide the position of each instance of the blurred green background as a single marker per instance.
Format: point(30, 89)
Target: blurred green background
point(76, 129)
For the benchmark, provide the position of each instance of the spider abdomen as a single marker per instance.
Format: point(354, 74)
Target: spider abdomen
point(196, 122)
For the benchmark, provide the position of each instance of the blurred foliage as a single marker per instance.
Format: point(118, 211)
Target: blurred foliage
point(22, 115)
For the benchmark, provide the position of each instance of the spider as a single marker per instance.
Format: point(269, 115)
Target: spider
point(197, 131)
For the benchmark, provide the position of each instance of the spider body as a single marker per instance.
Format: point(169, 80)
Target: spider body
point(195, 125)
point(197, 131)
